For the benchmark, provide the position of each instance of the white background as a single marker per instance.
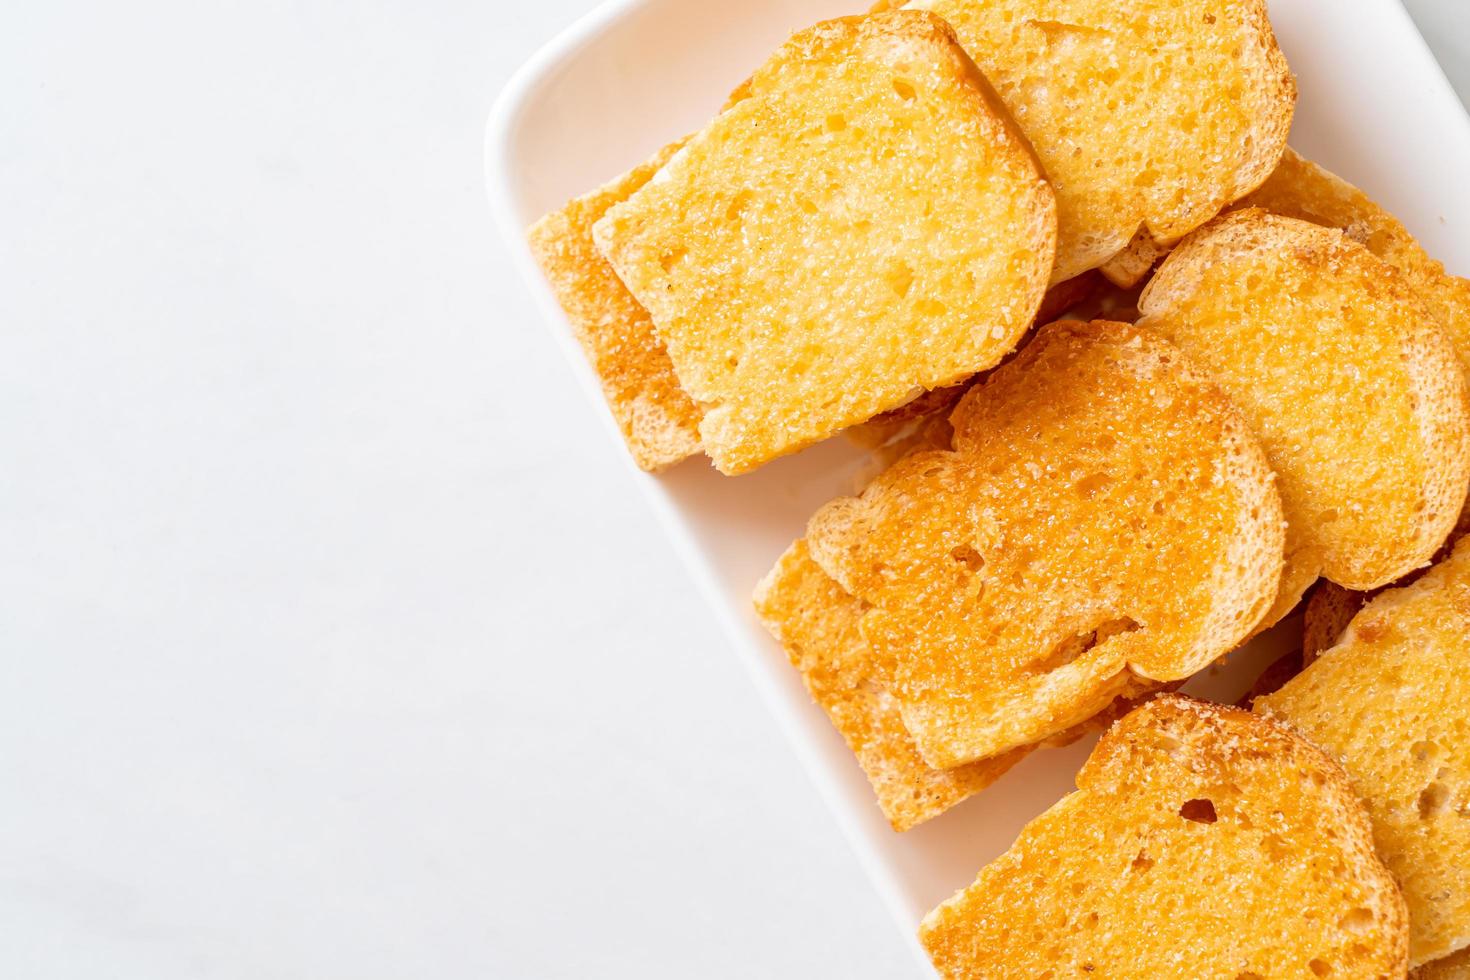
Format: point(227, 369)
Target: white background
point(335, 640)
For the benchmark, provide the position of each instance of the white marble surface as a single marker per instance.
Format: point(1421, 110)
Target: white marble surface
point(335, 640)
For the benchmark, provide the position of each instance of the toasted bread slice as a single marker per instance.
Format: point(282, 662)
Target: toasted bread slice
point(1300, 189)
point(1391, 703)
point(1104, 516)
point(659, 422)
point(816, 622)
point(1455, 967)
point(865, 222)
point(1351, 386)
point(1144, 112)
point(1202, 842)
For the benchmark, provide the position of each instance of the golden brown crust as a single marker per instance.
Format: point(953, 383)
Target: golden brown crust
point(1104, 516)
point(817, 625)
point(944, 239)
point(659, 422)
point(1194, 828)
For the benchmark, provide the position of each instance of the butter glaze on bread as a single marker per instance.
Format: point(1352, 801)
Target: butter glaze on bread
point(1202, 842)
point(1152, 113)
point(1105, 516)
point(1345, 377)
point(863, 222)
point(1391, 703)
point(816, 622)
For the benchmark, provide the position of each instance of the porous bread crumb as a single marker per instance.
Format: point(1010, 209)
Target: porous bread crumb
point(659, 422)
point(1391, 703)
point(1104, 516)
point(863, 223)
point(1143, 112)
point(1202, 842)
point(816, 622)
point(1343, 375)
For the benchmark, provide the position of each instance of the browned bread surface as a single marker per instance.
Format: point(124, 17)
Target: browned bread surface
point(816, 622)
point(1301, 189)
point(1391, 703)
point(865, 222)
point(1143, 112)
point(1203, 842)
point(1344, 376)
point(659, 422)
point(1329, 610)
point(1104, 516)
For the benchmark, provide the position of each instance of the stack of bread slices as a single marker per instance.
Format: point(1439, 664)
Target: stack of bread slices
point(1142, 379)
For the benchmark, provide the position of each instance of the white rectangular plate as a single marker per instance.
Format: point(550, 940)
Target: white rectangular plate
point(635, 74)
